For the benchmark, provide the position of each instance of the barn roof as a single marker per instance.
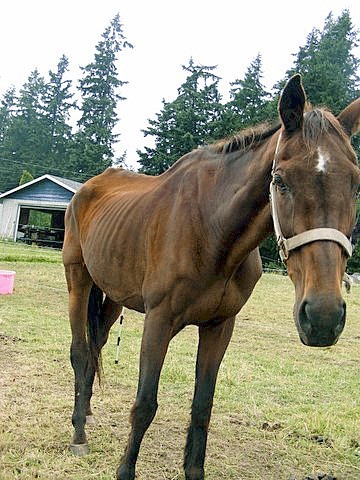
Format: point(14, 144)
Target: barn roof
point(65, 183)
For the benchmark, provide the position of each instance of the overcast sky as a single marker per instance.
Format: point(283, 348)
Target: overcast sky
point(165, 34)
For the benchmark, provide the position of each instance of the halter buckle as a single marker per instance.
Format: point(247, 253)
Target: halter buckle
point(283, 249)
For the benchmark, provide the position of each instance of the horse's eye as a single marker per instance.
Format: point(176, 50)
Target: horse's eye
point(280, 184)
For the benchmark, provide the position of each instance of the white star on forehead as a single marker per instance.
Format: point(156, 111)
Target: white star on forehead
point(322, 160)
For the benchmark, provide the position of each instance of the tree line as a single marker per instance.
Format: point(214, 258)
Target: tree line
point(36, 136)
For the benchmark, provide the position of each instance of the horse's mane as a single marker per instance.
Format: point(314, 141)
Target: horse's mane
point(244, 140)
point(317, 122)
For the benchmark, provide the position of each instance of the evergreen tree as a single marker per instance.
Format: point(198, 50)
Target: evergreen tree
point(189, 121)
point(156, 160)
point(33, 129)
point(25, 177)
point(7, 108)
point(58, 107)
point(6, 111)
point(248, 99)
point(198, 105)
point(26, 143)
point(328, 64)
point(93, 143)
point(34, 126)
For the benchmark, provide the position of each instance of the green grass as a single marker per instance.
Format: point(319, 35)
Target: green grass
point(281, 409)
point(17, 252)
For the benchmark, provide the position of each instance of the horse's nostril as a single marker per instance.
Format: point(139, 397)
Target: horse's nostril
point(341, 323)
point(304, 318)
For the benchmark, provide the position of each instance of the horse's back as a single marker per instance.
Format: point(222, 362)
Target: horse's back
point(112, 183)
point(100, 192)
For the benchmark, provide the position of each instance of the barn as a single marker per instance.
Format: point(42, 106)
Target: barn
point(34, 212)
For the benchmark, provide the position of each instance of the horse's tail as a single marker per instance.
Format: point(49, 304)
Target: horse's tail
point(95, 304)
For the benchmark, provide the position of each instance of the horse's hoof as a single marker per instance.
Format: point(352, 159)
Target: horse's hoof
point(90, 420)
point(79, 449)
point(124, 473)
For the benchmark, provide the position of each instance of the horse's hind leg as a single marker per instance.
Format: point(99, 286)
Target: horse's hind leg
point(102, 314)
point(85, 348)
point(79, 286)
point(213, 341)
point(110, 312)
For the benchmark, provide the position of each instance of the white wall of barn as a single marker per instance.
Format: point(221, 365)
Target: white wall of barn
point(8, 218)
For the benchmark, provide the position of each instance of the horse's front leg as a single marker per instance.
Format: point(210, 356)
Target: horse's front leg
point(155, 341)
point(213, 341)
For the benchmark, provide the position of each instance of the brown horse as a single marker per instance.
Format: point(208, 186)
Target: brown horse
point(183, 248)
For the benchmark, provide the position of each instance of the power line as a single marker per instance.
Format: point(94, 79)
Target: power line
point(25, 164)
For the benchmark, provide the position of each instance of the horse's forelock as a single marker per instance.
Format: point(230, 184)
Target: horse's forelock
point(317, 123)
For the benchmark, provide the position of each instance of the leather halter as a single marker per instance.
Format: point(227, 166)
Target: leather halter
point(286, 245)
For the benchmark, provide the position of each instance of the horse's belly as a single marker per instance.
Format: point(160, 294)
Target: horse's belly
point(118, 282)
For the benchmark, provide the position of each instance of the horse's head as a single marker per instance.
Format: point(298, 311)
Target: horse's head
point(313, 192)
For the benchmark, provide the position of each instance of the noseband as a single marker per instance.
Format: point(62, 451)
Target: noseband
point(286, 245)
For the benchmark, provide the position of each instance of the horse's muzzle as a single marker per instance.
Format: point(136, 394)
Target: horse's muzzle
point(321, 320)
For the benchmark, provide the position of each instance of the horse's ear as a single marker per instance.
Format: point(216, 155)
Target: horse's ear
point(349, 118)
point(292, 103)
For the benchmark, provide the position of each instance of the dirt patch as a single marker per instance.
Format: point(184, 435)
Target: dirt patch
point(318, 476)
point(8, 339)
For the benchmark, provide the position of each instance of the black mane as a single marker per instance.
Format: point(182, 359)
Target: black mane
point(245, 139)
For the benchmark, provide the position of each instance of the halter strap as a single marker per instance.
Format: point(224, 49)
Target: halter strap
point(286, 245)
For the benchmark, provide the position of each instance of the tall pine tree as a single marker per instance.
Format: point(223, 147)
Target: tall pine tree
point(93, 143)
point(59, 105)
point(189, 121)
point(8, 170)
point(27, 142)
point(34, 132)
point(248, 99)
point(328, 63)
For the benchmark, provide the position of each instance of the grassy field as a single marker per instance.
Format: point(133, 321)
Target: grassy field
point(282, 410)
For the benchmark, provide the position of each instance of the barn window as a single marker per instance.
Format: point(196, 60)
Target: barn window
point(41, 226)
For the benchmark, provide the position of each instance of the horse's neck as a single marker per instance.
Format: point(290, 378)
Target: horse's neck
point(242, 219)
